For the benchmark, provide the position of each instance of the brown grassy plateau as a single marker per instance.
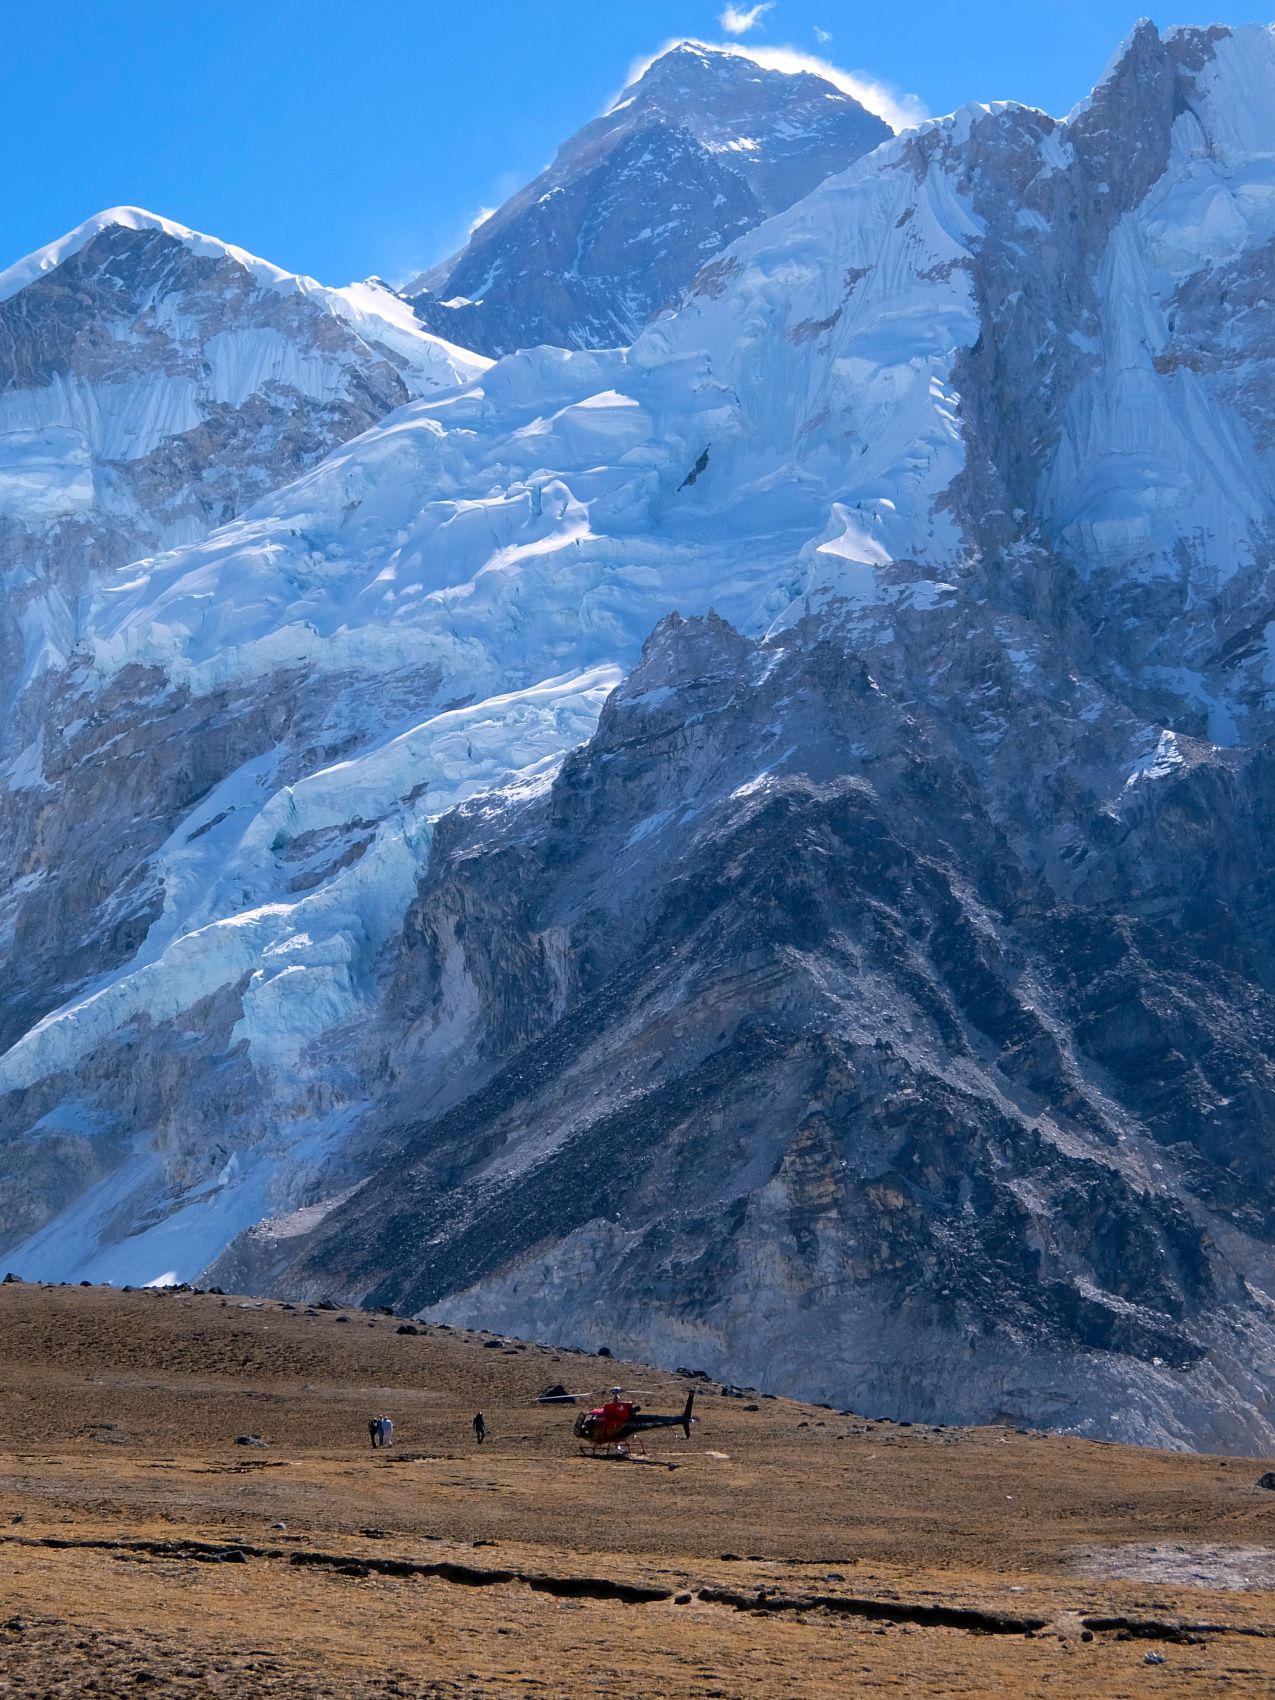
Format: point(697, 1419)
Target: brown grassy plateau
point(792, 1552)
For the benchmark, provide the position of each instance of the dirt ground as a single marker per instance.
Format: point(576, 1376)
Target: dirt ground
point(785, 1550)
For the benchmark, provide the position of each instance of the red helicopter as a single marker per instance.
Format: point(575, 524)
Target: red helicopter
point(615, 1423)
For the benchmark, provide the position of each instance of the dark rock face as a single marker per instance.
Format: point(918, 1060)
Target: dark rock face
point(702, 147)
point(791, 1047)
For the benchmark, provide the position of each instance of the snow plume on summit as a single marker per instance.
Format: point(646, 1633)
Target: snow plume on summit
point(580, 258)
point(897, 110)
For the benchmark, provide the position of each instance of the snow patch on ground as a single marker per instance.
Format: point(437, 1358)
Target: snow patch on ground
point(1233, 1568)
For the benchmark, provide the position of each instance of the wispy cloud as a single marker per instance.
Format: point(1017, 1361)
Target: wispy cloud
point(480, 217)
point(738, 20)
point(823, 37)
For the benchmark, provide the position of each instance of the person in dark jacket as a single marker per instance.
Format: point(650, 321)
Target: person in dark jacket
point(480, 1429)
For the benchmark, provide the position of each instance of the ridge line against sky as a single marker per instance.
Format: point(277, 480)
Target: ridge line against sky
point(338, 146)
point(900, 111)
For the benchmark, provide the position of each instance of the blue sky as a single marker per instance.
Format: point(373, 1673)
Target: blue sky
point(342, 139)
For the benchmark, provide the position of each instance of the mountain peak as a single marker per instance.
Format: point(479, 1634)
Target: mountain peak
point(1148, 51)
point(700, 71)
point(687, 63)
point(686, 53)
point(54, 254)
point(736, 104)
point(713, 137)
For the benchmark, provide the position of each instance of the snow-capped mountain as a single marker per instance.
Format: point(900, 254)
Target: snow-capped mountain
point(699, 148)
point(153, 384)
point(864, 989)
point(790, 1064)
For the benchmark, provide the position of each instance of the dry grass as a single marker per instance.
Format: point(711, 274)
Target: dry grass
point(118, 1418)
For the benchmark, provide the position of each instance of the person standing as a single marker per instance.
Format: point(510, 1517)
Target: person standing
point(480, 1429)
point(374, 1431)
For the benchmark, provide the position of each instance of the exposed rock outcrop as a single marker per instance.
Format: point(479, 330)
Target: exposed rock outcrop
point(794, 1052)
